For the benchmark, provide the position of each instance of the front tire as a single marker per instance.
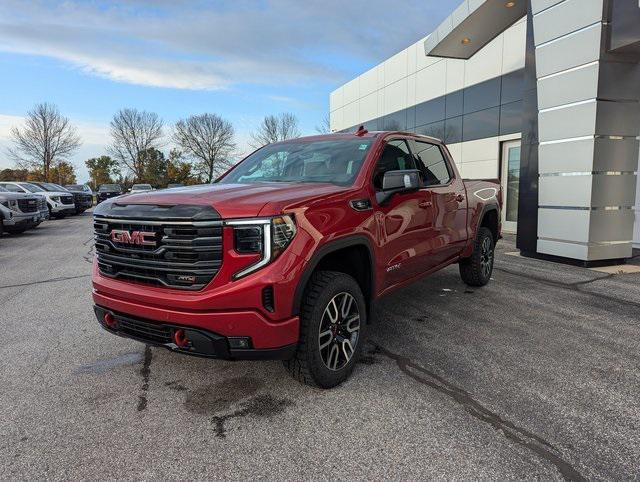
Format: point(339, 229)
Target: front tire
point(332, 329)
point(477, 269)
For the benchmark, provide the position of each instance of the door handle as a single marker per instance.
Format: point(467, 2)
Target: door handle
point(459, 198)
point(425, 204)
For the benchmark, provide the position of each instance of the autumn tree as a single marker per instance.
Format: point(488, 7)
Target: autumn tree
point(180, 171)
point(132, 133)
point(63, 173)
point(155, 167)
point(47, 137)
point(276, 128)
point(14, 175)
point(102, 170)
point(209, 140)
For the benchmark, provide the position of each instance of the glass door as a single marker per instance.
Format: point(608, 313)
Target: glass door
point(510, 185)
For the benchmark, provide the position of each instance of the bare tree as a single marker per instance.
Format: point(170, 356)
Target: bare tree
point(209, 139)
point(325, 126)
point(133, 133)
point(275, 128)
point(46, 139)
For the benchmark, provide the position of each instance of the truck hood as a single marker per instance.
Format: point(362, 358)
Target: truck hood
point(12, 196)
point(238, 200)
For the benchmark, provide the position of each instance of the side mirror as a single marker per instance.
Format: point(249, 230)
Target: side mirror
point(395, 182)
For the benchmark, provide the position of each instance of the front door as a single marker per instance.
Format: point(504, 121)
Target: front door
point(510, 185)
point(405, 226)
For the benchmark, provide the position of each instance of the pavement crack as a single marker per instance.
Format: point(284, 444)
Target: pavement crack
point(519, 435)
point(52, 280)
point(145, 371)
point(572, 286)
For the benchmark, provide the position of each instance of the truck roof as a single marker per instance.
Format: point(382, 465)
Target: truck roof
point(364, 135)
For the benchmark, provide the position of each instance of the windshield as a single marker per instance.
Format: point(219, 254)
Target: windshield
point(31, 187)
point(109, 187)
point(75, 187)
point(58, 187)
point(142, 187)
point(3, 189)
point(334, 161)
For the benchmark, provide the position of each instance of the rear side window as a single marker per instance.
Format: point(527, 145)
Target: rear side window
point(395, 157)
point(431, 161)
point(12, 188)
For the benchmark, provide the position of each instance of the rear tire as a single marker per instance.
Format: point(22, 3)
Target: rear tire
point(476, 270)
point(332, 329)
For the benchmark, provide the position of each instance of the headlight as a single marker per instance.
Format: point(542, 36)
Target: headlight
point(266, 236)
point(55, 199)
point(11, 204)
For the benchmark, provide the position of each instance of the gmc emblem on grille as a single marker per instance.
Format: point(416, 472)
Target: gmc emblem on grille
point(133, 237)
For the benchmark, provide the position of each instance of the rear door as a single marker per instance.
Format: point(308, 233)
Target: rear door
point(404, 224)
point(448, 210)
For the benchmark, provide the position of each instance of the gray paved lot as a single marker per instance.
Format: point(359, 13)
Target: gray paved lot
point(534, 376)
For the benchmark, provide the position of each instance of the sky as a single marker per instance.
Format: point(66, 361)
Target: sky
point(239, 59)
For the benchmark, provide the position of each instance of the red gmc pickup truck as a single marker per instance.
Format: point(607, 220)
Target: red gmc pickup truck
point(285, 255)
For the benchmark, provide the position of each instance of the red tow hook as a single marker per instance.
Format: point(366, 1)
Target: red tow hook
point(180, 338)
point(110, 320)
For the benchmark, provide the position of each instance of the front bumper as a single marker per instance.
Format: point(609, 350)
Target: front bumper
point(18, 219)
point(200, 341)
point(59, 208)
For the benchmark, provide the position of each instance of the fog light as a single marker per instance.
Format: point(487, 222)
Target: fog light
point(110, 320)
point(240, 343)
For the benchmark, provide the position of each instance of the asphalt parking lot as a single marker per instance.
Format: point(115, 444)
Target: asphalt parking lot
point(536, 376)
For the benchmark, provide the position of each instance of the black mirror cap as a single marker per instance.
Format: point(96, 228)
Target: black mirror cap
point(401, 181)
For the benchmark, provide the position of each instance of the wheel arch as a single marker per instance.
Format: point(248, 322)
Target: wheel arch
point(350, 251)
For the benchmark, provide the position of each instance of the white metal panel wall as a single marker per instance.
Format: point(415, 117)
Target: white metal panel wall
point(410, 77)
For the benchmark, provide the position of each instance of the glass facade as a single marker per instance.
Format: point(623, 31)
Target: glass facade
point(487, 109)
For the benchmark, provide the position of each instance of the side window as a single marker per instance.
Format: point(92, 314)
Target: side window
point(11, 187)
point(432, 163)
point(395, 156)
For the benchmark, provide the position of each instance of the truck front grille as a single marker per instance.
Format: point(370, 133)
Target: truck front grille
point(66, 199)
point(177, 254)
point(28, 205)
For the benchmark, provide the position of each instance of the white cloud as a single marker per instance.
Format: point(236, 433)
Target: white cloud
point(204, 46)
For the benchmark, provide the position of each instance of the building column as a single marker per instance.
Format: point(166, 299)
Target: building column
point(588, 122)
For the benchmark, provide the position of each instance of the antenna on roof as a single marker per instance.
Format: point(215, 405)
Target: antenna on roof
point(361, 131)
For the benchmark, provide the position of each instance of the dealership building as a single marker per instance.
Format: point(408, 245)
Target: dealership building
point(543, 94)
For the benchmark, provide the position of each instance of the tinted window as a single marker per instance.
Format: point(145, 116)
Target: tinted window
point(334, 161)
point(395, 157)
point(482, 96)
point(431, 161)
point(31, 187)
point(453, 130)
point(430, 111)
point(12, 188)
point(481, 125)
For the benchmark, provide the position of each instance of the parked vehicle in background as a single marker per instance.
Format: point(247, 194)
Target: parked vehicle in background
point(81, 199)
point(141, 188)
point(67, 199)
point(85, 188)
point(175, 184)
point(287, 254)
point(54, 205)
point(18, 212)
point(107, 191)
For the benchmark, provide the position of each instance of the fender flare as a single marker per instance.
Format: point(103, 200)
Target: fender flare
point(326, 249)
point(487, 208)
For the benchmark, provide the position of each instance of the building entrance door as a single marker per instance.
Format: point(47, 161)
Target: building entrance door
point(510, 185)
